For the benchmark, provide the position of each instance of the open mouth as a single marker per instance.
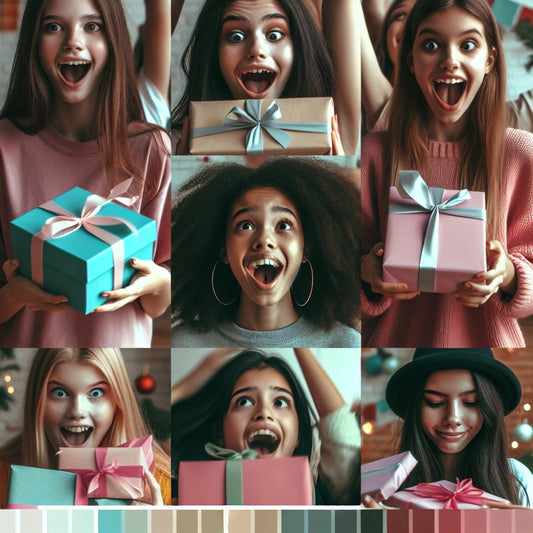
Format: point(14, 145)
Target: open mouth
point(449, 91)
point(257, 81)
point(76, 435)
point(263, 441)
point(265, 271)
point(74, 71)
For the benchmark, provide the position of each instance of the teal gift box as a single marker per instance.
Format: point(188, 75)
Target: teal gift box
point(80, 265)
point(30, 487)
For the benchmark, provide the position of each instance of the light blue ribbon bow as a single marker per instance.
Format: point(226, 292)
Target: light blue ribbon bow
point(412, 186)
point(250, 118)
point(234, 492)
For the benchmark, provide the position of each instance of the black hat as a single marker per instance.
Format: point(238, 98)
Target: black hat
point(428, 360)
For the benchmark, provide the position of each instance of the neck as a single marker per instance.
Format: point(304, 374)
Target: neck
point(441, 132)
point(76, 122)
point(450, 465)
point(266, 318)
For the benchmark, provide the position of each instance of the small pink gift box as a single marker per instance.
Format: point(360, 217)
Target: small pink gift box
point(116, 473)
point(435, 237)
point(281, 481)
point(443, 495)
point(382, 478)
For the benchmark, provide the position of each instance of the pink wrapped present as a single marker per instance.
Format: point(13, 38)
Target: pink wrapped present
point(382, 478)
point(116, 473)
point(435, 237)
point(281, 481)
point(443, 495)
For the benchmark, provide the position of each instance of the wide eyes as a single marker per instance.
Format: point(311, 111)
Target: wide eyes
point(283, 225)
point(235, 36)
point(96, 393)
point(433, 45)
point(58, 392)
point(238, 36)
point(245, 401)
point(55, 27)
point(275, 35)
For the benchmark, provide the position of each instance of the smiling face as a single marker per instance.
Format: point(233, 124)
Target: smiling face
point(261, 415)
point(450, 58)
point(72, 49)
point(255, 49)
point(79, 406)
point(264, 246)
point(450, 414)
point(396, 26)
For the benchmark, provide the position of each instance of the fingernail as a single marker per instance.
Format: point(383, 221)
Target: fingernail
point(468, 285)
point(133, 261)
point(366, 498)
point(105, 295)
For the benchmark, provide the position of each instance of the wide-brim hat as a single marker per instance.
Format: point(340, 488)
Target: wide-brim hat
point(428, 360)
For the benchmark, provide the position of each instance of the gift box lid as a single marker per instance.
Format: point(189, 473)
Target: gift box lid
point(40, 486)
point(83, 255)
point(280, 481)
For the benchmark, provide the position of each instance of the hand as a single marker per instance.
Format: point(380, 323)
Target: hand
point(155, 489)
point(336, 142)
point(372, 272)
point(27, 293)
point(369, 503)
point(500, 276)
point(183, 144)
point(150, 280)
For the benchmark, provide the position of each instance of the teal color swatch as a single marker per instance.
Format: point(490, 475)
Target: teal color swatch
point(346, 521)
point(319, 521)
point(111, 521)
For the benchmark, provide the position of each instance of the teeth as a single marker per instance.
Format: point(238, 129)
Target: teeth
point(262, 432)
point(263, 262)
point(74, 63)
point(77, 429)
point(449, 81)
point(258, 71)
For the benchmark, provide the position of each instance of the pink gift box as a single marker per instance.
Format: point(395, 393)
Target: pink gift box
point(442, 495)
point(116, 473)
point(461, 244)
point(382, 478)
point(281, 481)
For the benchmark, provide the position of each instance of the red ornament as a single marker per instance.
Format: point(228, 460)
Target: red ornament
point(145, 383)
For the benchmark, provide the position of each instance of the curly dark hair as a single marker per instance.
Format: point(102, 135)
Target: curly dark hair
point(327, 202)
point(311, 73)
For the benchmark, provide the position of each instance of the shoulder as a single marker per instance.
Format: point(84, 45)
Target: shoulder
point(519, 142)
point(520, 469)
point(142, 134)
point(339, 336)
point(186, 336)
point(374, 142)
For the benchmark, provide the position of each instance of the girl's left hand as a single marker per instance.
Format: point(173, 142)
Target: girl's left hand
point(151, 284)
point(500, 276)
point(155, 489)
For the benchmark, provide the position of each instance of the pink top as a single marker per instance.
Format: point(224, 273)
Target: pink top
point(438, 320)
point(37, 168)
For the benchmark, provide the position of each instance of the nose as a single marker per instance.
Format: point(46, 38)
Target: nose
point(78, 407)
point(451, 58)
point(257, 49)
point(262, 411)
point(74, 38)
point(264, 240)
point(454, 415)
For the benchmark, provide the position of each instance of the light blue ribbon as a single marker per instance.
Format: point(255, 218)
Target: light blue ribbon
point(234, 492)
point(429, 200)
point(381, 470)
point(250, 118)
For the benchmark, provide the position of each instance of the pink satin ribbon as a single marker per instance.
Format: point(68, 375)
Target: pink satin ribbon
point(96, 480)
point(67, 223)
point(465, 492)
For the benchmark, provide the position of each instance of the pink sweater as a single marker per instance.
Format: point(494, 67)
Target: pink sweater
point(37, 168)
point(436, 320)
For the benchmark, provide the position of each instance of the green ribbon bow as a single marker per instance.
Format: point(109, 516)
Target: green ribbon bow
point(234, 492)
point(250, 118)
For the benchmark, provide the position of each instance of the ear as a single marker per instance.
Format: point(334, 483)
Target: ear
point(410, 63)
point(223, 256)
point(491, 60)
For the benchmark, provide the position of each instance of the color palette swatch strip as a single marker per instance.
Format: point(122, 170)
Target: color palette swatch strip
point(179, 520)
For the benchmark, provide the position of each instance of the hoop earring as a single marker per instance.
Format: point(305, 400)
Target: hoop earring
point(297, 281)
point(213, 272)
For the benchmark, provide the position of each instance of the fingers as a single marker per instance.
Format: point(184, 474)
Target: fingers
point(142, 265)
point(10, 268)
point(155, 489)
point(370, 503)
point(114, 304)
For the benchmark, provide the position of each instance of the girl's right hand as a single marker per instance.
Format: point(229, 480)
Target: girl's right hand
point(372, 273)
point(155, 489)
point(369, 503)
point(27, 293)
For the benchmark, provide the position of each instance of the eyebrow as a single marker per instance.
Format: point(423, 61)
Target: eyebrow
point(240, 18)
point(272, 387)
point(90, 16)
point(252, 209)
point(435, 32)
point(92, 386)
point(442, 394)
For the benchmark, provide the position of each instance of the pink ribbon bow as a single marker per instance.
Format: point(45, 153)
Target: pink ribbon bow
point(465, 492)
point(67, 223)
point(95, 480)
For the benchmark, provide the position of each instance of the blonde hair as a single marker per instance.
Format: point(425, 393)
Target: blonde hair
point(32, 448)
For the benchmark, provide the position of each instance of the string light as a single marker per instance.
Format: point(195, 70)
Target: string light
point(7, 379)
point(527, 407)
point(514, 445)
point(10, 389)
point(368, 428)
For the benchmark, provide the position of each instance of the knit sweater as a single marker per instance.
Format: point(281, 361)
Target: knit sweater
point(37, 168)
point(438, 320)
point(301, 333)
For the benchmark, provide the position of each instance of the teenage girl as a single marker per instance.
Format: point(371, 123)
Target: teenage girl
point(79, 397)
point(269, 49)
point(252, 400)
point(448, 122)
point(271, 261)
point(453, 403)
point(72, 117)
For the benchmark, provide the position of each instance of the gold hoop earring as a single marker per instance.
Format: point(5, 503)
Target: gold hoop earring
point(213, 273)
point(298, 282)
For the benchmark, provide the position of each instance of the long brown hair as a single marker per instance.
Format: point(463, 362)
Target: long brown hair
point(29, 92)
point(481, 158)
